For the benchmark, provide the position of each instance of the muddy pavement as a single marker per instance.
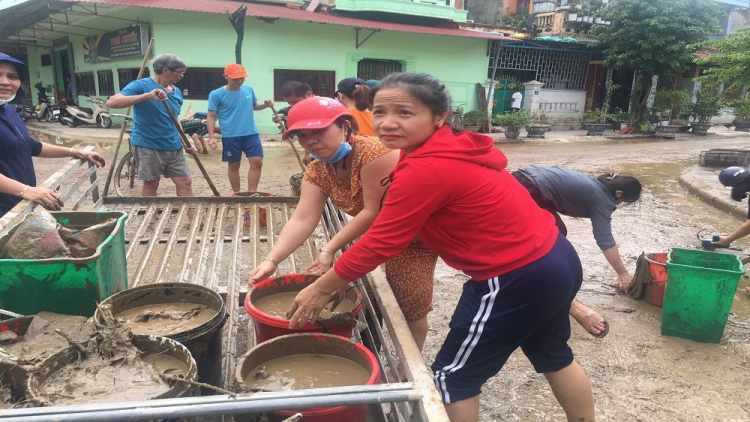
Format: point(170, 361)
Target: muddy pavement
point(636, 373)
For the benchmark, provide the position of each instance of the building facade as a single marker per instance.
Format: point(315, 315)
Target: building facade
point(280, 44)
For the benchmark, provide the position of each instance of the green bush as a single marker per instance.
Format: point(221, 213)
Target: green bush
point(512, 120)
point(672, 102)
point(706, 106)
point(741, 109)
point(596, 116)
point(474, 118)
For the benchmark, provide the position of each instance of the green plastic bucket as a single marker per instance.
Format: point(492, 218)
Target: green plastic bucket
point(699, 294)
point(71, 286)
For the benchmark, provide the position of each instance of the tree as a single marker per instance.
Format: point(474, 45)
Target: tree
point(655, 37)
point(731, 57)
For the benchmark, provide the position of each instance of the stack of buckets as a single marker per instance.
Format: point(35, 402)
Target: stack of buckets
point(695, 289)
point(273, 333)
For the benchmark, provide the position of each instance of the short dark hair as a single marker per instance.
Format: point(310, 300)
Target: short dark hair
point(422, 86)
point(295, 88)
point(629, 186)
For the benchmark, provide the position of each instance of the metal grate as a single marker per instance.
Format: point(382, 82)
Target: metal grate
point(377, 69)
point(216, 250)
point(557, 68)
point(719, 157)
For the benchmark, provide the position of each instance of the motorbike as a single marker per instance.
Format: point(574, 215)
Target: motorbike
point(25, 112)
point(73, 115)
point(47, 110)
point(282, 114)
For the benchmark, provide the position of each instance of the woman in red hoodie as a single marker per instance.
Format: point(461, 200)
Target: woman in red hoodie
point(454, 193)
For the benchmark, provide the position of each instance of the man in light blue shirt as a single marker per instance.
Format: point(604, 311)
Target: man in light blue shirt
point(233, 104)
point(156, 142)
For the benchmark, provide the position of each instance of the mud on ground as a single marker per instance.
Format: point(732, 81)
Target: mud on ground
point(636, 373)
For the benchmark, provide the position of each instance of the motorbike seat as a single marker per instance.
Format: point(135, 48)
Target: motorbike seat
point(129, 130)
point(86, 110)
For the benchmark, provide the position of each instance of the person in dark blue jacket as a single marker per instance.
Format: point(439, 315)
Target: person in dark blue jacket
point(17, 178)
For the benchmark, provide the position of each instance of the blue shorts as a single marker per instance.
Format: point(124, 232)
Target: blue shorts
point(526, 308)
point(234, 146)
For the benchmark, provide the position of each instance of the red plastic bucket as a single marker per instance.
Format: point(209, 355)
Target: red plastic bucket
point(269, 326)
point(313, 343)
point(657, 266)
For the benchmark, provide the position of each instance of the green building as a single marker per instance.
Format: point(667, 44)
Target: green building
point(98, 45)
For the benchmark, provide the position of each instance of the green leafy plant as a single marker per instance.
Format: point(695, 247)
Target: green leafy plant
point(622, 117)
point(728, 61)
point(741, 109)
point(594, 115)
point(706, 106)
point(512, 120)
point(611, 89)
point(672, 102)
point(474, 118)
point(658, 37)
point(519, 19)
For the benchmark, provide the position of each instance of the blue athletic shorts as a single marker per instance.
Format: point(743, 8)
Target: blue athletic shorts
point(234, 146)
point(526, 308)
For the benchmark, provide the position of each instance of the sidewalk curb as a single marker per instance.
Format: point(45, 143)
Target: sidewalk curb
point(701, 190)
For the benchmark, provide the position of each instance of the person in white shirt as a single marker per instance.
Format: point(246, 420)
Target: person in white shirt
point(517, 98)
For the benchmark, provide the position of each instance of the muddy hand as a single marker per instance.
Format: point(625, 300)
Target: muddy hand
point(623, 282)
point(90, 156)
point(261, 272)
point(47, 198)
point(337, 298)
point(722, 242)
point(307, 306)
point(212, 143)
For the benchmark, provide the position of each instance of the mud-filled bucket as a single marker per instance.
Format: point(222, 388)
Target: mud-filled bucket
point(296, 183)
point(185, 312)
point(657, 266)
point(246, 217)
point(57, 379)
point(268, 301)
point(11, 374)
point(304, 361)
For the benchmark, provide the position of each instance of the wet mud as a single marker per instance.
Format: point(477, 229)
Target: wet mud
point(165, 319)
point(278, 304)
point(635, 372)
point(41, 341)
point(299, 372)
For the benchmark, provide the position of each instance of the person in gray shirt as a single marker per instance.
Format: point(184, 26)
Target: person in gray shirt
point(575, 194)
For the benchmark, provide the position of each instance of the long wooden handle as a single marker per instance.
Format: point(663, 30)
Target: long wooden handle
point(125, 123)
point(188, 146)
point(291, 144)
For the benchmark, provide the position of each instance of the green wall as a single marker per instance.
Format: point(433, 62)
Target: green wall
point(207, 40)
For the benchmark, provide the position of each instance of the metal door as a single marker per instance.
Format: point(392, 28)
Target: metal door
point(503, 91)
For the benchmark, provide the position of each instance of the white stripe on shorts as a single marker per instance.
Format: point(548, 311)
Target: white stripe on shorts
point(475, 331)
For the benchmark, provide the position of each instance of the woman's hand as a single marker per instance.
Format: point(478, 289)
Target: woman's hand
point(723, 241)
point(262, 272)
point(307, 305)
point(322, 264)
point(47, 198)
point(90, 156)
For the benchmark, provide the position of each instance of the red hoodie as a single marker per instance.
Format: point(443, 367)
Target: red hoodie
point(456, 196)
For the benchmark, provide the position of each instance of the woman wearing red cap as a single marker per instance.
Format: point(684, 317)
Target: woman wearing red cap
point(353, 172)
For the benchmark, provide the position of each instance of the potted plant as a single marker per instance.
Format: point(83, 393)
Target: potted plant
point(623, 119)
point(512, 122)
point(670, 103)
point(474, 120)
point(706, 106)
point(595, 122)
point(536, 128)
point(741, 110)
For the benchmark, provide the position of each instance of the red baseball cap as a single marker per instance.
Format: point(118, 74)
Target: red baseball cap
point(314, 113)
point(235, 71)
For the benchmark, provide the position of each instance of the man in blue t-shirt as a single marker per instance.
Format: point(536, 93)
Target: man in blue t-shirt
point(233, 105)
point(156, 142)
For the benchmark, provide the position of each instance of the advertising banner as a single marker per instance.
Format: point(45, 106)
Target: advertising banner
point(126, 42)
